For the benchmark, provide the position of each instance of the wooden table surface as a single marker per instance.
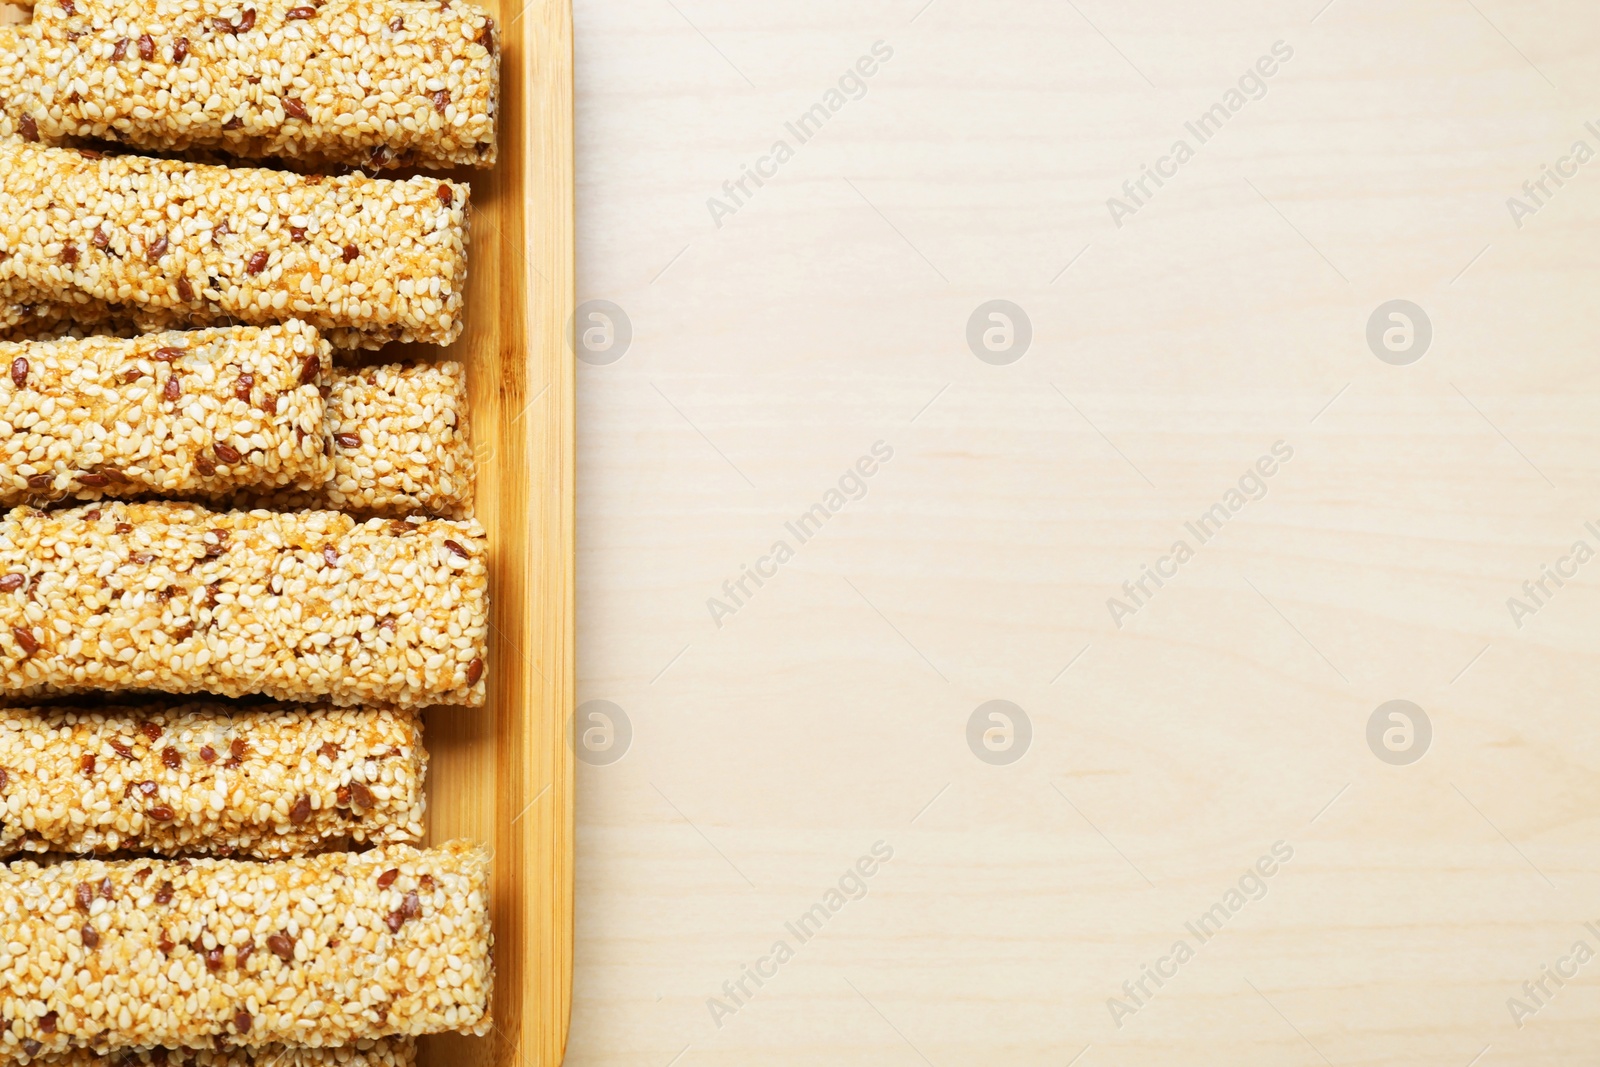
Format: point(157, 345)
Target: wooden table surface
point(1207, 838)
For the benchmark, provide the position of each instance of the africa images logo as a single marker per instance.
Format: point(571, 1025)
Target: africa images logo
point(851, 486)
point(1252, 485)
point(852, 85)
point(1252, 85)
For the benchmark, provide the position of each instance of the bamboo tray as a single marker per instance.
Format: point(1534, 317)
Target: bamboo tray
point(503, 773)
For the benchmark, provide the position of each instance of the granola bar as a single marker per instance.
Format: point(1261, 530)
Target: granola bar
point(369, 83)
point(260, 782)
point(400, 444)
point(315, 951)
point(299, 606)
point(175, 414)
point(364, 260)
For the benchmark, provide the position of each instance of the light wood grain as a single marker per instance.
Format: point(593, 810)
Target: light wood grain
point(830, 711)
point(503, 773)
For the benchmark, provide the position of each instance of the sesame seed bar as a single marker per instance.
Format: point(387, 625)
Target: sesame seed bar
point(315, 951)
point(401, 445)
point(205, 778)
point(364, 260)
point(384, 1052)
point(394, 439)
point(306, 606)
point(176, 414)
point(369, 83)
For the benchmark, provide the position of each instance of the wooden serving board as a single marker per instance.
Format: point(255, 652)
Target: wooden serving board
point(503, 773)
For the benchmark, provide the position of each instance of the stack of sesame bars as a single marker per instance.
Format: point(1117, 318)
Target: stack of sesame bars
point(238, 554)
